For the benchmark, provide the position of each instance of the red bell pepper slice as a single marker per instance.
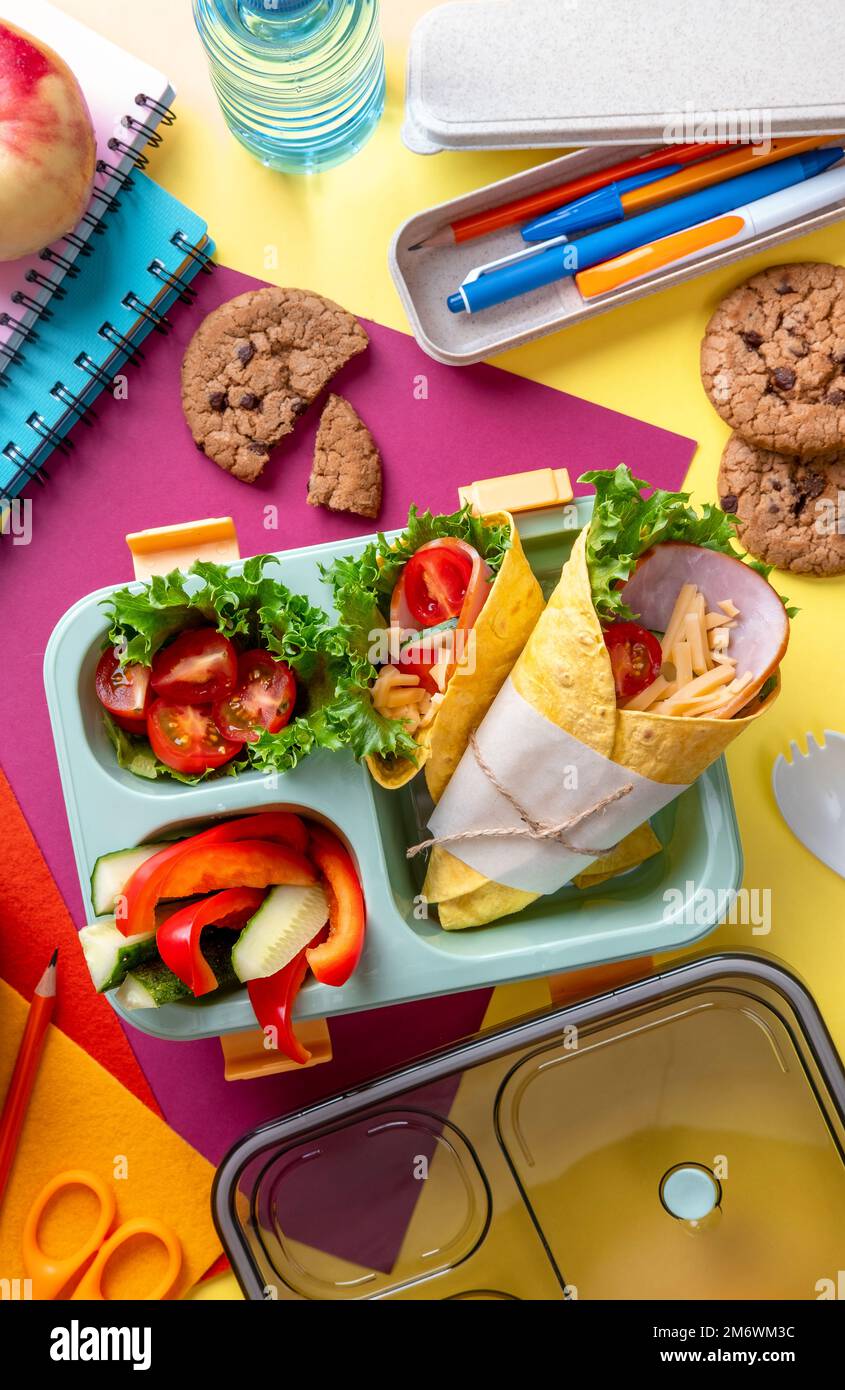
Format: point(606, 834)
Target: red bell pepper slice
point(335, 959)
point(142, 891)
point(244, 864)
point(178, 939)
point(273, 1000)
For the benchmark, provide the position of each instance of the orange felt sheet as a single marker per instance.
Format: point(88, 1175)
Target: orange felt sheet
point(79, 1116)
point(33, 921)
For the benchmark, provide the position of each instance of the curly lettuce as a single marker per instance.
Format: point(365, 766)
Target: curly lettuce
point(363, 584)
point(253, 609)
point(625, 525)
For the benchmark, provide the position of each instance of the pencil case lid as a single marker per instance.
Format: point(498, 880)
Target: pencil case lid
point(507, 74)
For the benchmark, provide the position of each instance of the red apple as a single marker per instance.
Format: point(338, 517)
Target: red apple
point(47, 146)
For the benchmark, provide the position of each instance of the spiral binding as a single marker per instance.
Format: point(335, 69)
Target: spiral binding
point(68, 267)
point(85, 414)
point(94, 370)
point(34, 305)
point(138, 159)
point(159, 322)
point(94, 219)
point(165, 113)
point(202, 258)
point(37, 423)
point(25, 465)
point(26, 330)
point(117, 339)
point(121, 178)
point(80, 247)
point(186, 292)
point(33, 277)
point(152, 137)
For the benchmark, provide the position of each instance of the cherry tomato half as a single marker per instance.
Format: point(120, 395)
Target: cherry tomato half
point(186, 738)
point(418, 657)
point(124, 693)
point(435, 582)
point(636, 657)
point(263, 698)
point(201, 665)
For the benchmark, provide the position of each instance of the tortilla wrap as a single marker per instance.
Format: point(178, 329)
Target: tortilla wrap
point(501, 630)
point(565, 673)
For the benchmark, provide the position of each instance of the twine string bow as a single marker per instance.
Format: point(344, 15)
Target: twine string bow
point(531, 828)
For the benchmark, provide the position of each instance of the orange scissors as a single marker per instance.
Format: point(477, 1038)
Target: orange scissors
point(49, 1276)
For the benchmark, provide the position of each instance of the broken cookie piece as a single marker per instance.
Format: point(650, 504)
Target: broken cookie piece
point(346, 476)
point(254, 366)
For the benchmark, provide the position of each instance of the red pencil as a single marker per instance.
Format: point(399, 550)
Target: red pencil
point(534, 204)
point(26, 1069)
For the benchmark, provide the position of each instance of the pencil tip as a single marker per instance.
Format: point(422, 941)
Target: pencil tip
point(55, 956)
point(417, 246)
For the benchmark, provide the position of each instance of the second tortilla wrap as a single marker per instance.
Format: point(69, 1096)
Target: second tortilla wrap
point(566, 674)
point(500, 631)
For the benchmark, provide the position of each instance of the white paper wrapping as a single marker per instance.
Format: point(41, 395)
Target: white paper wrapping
point(554, 777)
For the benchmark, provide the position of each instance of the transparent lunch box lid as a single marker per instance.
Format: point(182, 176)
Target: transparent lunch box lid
point(681, 1138)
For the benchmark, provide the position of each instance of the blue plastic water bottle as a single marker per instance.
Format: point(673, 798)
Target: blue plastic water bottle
point(300, 82)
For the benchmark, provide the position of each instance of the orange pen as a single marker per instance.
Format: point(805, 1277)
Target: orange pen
point(510, 214)
point(616, 202)
point(728, 230)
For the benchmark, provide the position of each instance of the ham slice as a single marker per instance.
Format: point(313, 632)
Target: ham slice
point(761, 635)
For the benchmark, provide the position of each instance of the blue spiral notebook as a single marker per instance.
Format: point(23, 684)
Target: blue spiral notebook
point(148, 250)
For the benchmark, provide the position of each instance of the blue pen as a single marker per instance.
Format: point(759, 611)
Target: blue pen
point(594, 209)
point(532, 270)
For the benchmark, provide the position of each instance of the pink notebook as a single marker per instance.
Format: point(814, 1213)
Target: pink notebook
point(128, 100)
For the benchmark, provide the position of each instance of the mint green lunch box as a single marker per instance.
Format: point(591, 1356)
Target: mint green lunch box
point(407, 956)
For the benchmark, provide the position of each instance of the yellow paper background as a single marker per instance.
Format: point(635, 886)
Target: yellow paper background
point(333, 235)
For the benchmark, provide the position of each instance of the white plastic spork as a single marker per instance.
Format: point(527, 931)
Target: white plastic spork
point(810, 792)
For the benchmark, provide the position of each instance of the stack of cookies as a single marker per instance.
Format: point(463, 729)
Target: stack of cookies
point(773, 365)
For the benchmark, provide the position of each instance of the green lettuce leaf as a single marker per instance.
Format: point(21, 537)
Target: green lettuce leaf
point(254, 610)
point(625, 525)
point(363, 585)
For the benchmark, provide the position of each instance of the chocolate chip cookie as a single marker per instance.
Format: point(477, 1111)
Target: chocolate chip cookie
point(254, 366)
point(773, 360)
point(346, 476)
point(791, 511)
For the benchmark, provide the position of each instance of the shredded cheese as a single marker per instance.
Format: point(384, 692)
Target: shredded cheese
point(679, 612)
point(398, 695)
point(699, 677)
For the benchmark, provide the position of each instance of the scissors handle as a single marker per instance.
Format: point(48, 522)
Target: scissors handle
point(91, 1284)
point(50, 1275)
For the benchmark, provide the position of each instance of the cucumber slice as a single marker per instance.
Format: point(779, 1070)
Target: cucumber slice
point(428, 632)
point(286, 922)
point(110, 955)
point(152, 984)
point(112, 872)
point(134, 994)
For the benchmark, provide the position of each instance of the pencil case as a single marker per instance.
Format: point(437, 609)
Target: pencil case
point(619, 80)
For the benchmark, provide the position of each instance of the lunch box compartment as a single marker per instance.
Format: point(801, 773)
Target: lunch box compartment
point(406, 955)
point(320, 1196)
point(548, 1147)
